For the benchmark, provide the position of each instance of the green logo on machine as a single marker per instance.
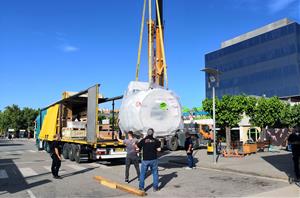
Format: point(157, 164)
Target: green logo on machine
point(163, 106)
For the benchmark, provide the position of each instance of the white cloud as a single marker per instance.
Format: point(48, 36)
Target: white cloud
point(64, 44)
point(69, 48)
point(278, 5)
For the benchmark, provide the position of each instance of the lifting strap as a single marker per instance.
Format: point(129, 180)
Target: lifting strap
point(140, 44)
point(162, 45)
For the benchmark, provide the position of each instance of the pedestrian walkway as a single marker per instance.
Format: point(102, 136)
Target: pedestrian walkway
point(289, 191)
point(276, 165)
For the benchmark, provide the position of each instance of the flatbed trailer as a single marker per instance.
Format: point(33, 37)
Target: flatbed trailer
point(75, 118)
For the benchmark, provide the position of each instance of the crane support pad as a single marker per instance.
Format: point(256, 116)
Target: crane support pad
point(115, 185)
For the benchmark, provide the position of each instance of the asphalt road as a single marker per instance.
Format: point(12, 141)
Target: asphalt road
point(25, 172)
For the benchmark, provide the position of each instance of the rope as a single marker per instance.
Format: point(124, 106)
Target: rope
point(162, 45)
point(150, 44)
point(140, 43)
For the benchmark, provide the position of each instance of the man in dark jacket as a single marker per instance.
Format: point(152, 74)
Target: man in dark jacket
point(188, 145)
point(56, 157)
point(149, 146)
point(294, 140)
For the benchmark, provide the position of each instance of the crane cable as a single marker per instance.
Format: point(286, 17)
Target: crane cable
point(162, 45)
point(150, 57)
point(140, 43)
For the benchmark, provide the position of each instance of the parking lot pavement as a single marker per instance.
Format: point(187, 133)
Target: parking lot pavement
point(25, 172)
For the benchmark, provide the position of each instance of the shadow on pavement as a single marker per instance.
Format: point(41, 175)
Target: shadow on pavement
point(175, 161)
point(283, 163)
point(15, 181)
point(77, 172)
point(163, 180)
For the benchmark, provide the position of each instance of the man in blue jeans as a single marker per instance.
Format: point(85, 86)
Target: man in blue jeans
point(188, 145)
point(149, 146)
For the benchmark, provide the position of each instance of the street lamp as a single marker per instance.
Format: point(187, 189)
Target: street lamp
point(213, 81)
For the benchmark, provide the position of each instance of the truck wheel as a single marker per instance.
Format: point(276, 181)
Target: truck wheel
point(77, 153)
point(71, 152)
point(47, 147)
point(65, 152)
point(196, 144)
point(172, 143)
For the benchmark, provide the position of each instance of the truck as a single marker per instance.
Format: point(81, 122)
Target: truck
point(75, 118)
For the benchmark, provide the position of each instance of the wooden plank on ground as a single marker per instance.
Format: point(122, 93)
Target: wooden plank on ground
point(115, 185)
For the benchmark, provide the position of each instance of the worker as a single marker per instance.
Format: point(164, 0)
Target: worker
point(149, 146)
point(294, 140)
point(188, 145)
point(56, 156)
point(131, 156)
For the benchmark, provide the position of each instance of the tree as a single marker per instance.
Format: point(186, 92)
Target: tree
point(14, 118)
point(286, 116)
point(267, 113)
point(185, 110)
point(295, 115)
point(28, 117)
point(1, 124)
point(229, 112)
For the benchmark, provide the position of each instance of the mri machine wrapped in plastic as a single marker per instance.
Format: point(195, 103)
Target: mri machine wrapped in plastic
point(145, 106)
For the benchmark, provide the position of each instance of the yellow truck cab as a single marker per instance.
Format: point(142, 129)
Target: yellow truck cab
point(75, 119)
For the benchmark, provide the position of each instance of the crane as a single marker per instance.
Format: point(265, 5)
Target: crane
point(157, 67)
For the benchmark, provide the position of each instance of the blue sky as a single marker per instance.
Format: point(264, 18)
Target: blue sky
point(47, 47)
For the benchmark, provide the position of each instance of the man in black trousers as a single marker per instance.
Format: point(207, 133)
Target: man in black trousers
point(56, 156)
point(294, 140)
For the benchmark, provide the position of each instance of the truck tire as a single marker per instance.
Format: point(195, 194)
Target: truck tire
point(77, 153)
point(65, 151)
point(196, 144)
point(71, 152)
point(172, 143)
point(47, 147)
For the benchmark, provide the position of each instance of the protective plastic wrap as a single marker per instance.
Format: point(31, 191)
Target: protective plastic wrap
point(145, 107)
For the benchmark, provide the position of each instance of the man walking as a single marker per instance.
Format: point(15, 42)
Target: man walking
point(294, 140)
point(56, 156)
point(131, 157)
point(149, 146)
point(188, 145)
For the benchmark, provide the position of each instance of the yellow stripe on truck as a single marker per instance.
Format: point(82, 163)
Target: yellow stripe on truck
point(49, 124)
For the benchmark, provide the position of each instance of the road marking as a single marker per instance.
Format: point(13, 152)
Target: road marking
point(3, 174)
point(30, 193)
point(76, 167)
point(27, 172)
point(32, 151)
point(48, 168)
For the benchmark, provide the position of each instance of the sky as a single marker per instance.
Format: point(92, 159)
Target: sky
point(47, 47)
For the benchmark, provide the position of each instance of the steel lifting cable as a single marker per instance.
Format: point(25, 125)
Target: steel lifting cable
point(162, 45)
point(150, 43)
point(140, 43)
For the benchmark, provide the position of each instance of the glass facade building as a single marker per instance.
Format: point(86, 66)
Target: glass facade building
point(267, 64)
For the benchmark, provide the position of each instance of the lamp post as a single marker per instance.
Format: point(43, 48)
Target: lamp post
point(213, 81)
